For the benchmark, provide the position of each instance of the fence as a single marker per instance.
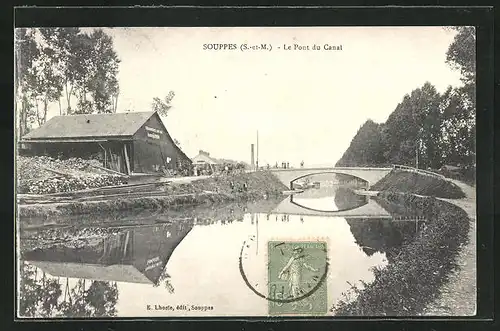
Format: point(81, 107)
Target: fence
point(420, 171)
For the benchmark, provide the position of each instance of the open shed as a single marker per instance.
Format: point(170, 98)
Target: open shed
point(134, 142)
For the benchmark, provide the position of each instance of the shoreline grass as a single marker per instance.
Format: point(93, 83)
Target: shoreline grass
point(414, 279)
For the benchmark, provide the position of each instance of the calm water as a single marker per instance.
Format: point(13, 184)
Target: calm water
point(117, 265)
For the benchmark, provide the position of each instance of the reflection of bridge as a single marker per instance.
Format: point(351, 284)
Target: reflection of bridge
point(371, 175)
point(369, 210)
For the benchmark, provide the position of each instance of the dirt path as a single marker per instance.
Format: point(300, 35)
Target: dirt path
point(459, 296)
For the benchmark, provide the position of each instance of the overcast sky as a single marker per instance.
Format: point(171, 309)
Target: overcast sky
point(306, 105)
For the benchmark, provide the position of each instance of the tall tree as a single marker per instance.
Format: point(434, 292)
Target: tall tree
point(461, 108)
point(26, 51)
point(366, 147)
point(102, 83)
point(48, 73)
point(56, 62)
point(461, 54)
point(67, 42)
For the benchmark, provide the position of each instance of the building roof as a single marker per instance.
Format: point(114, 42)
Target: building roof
point(91, 125)
point(204, 158)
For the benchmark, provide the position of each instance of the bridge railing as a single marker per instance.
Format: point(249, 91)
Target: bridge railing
point(420, 171)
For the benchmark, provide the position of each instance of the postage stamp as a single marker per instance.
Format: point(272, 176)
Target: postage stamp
point(296, 274)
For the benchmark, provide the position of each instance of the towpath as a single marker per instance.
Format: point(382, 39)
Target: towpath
point(458, 296)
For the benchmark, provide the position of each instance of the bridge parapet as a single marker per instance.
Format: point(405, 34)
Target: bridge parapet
point(329, 169)
point(368, 174)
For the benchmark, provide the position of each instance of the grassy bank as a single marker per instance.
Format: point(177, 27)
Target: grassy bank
point(414, 278)
point(410, 182)
point(237, 187)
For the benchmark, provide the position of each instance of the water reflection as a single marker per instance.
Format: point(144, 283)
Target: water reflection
point(329, 199)
point(387, 236)
point(41, 295)
point(141, 264)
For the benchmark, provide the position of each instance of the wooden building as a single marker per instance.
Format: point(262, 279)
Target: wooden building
point(135, 142)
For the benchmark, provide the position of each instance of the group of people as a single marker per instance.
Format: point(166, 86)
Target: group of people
point(286, 165)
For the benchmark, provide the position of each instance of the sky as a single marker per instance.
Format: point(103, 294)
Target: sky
point(305, 104)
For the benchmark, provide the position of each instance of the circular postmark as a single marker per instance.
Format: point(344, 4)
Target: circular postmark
point(289, 268)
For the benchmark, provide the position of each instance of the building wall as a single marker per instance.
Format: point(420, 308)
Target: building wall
point(153, 148)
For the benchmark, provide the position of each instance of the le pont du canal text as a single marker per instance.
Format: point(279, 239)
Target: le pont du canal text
point(270, 47)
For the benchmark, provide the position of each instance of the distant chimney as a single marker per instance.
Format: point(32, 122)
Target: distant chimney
point(252, 156)
point(202, 152)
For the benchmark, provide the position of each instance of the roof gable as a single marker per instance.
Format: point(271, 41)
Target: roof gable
point(91, 125)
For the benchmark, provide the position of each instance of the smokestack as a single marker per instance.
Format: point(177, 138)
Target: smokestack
point(252, 158)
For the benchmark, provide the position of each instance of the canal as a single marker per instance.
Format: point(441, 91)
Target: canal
point(205, 261)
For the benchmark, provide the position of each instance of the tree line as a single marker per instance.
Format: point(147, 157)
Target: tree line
point(427, 129)
point(52, 64)
point(42, 296)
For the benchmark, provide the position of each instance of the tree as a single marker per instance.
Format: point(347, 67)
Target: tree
point(102, 83)
point(68, 43)
point(26, 51)
point(40, 296)
point(365, 148)
point(163, 106)
point(460, 104)
point(458, 129)
point(435, 129)
point(52, 62)
point(461, 54)
point(48, 73)
point(102, 297)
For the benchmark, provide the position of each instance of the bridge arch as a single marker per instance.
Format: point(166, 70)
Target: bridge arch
point(333, 212)
point(370, 175)
point(326, 172)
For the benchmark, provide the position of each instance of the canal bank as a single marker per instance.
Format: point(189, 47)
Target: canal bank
point(419, 182)
point(227, 188)
point(458, 297)
point(425, 269)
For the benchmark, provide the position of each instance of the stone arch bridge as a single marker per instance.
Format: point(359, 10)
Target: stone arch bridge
point(370, 175)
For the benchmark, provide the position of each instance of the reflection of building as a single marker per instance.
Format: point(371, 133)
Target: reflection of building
point(138, 255)
point(135, 142)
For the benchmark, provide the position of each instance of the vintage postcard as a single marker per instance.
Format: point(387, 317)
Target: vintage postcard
point(245, 171)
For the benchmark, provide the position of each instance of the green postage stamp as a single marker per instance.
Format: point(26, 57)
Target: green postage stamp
point(297, 272)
